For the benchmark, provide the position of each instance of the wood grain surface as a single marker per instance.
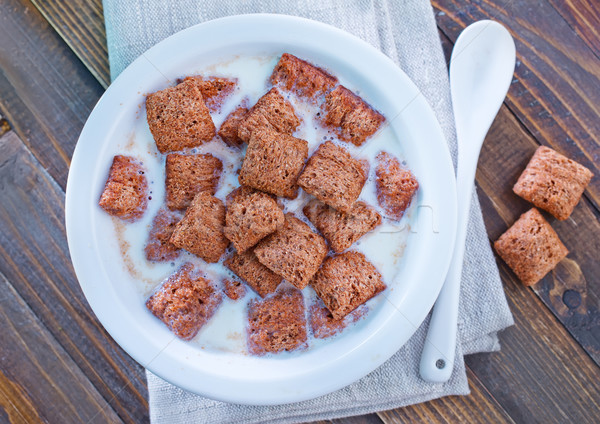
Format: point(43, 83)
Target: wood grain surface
point(46, 92)
point(80, 23)
point(43, 383)
point(57, 364)
point(34, 258)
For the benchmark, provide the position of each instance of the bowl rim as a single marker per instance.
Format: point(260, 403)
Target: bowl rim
point(397, 327)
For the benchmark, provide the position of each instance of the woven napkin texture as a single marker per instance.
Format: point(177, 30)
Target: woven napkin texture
point(406, 32)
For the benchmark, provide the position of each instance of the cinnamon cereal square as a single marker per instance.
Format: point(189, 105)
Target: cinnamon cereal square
point(178, 118)
point(396, 186)
point(553, 182)
point(229, 128)
point(159, 247)
point(350, 116)
point(215, 90)
point(294, 252)
point(333, 176)
point(273, 163)
point(251, 216)
point(271, 112)
point(277, 323)
point(188, 175)
point(305, 79)
point(531, 248)
point(260, 278)
point(200, 232)
point(345, 282)
point(340, 229)
point(185, 302)
point(125, 193)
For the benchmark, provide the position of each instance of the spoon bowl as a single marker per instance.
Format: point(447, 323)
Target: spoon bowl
point(481, 70)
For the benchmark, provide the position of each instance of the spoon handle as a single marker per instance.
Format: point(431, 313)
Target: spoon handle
point(437, 359)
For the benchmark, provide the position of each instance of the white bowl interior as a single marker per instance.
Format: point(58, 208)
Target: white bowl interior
point(285, 378)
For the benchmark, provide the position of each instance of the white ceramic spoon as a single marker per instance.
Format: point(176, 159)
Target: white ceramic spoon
point(481, 70)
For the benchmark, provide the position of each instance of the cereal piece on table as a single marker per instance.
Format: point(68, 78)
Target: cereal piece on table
point(531, 248)
point(322, 323)
point(234, 289)
point(178, 117)
point(333, 176)
point(340, 229)
point(260, 278)
point(345, 282)
point(553, 182)
point(273, 163)
point(251, 216)
point(214, 90)
point(185, 302)
point(396, 186)
point(201, 230)
point(229, 128)
point(350, 116)
point(271, 111)
point(188, 175)
point(295, 252)
point(159, 247)
point(300, 76)
point(125, 193)
point(277, 323)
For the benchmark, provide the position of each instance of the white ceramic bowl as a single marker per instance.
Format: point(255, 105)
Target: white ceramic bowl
point(240, 378)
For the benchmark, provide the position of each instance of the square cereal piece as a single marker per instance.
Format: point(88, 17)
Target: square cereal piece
point(340, 229)
point(345, 282)
point(260, 278)
point(178, 118)
point(302, 77)
point(295, 252)
point(273, 163)
point(322, 323)
point(188, 175)
point(214, 90)
point(234, 288)
point(251, 216)
point(229, 128)
point(271, 111)
point(201, 230)
point(396, 186)
point(277, 323)
point(350, 116)
point(553, 182)
point(531, 248)
point(159, 247)
point(333, 176)
point(185, 302)
point(125, 193)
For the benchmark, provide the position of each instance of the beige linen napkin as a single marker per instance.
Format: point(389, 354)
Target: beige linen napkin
point(406, 32)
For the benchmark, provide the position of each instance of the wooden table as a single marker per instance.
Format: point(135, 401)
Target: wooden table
point(58, 365)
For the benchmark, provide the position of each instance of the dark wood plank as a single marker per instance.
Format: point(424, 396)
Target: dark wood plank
point(39, 382)
point(584, 17)
point(540, 375)
point(81, 24)
point(478, 407)
point(34, 258)
point(554, 92)
point(362, 419)
point(499, 168)
point(46, 93)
